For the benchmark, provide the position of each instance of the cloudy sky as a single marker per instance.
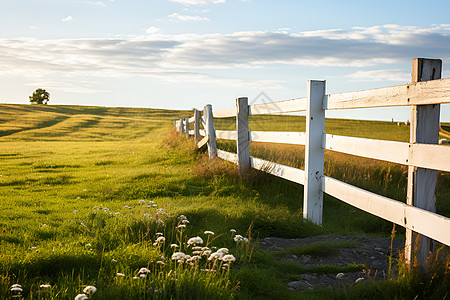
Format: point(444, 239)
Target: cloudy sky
point(181, 54)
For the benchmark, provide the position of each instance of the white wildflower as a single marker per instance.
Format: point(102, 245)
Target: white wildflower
point(223, 250)
point(229, 258)
point(359, 279)
point(233, 230)
point(141, 201)
point(90, 290)
point(143, 271)
point(45, 286)
point(207, 252)
point(196, 257)
point(81, 297)
point(158, 233)
point(185, 221)
point(16, 285)
point(147, 215)
point(16, 289)
point(181, 226)
point(159, 262)
point(142, 275)
point(113, 260)
point(75, 211)
point(174, 246)
point(195, 241)
point(159, 240)
point(238, 238)
point(178, 255)
point(339, 275)
point(216, 255)
point(120, 274)
point(209, 232)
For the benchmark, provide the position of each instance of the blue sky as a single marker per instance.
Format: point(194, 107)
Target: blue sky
point(181, 54)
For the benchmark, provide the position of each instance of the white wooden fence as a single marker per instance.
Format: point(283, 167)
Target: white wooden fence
point(422, 155)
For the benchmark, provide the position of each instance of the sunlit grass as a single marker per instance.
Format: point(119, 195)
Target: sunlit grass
point(69, 176)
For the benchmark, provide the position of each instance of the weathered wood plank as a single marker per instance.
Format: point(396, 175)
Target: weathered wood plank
point(186, 122)
point(279, 170)
point(196, 125)
point(225, 113)
point(293, 105)
point(202, 132)
point(210, 131)
point(396, 152)
point(181, 127)
point(424, 222)
point(434, 157)
point(191, 119)
point(202, 142)
point(420, 93)
point(243, 145)
point(281, 137)
point(424, 129)
point(226, 134)
point(231, 157)
point(314, 153)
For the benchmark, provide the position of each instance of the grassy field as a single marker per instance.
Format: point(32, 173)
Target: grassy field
point(88, 192)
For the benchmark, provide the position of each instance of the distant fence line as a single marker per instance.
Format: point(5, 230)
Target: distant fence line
point(422, 155)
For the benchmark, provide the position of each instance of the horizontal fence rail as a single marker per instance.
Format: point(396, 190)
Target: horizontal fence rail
point(422, 154)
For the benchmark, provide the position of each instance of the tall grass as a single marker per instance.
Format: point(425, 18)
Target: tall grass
point(62, 166)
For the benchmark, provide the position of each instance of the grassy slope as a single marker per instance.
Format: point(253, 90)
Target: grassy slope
point(58, 159)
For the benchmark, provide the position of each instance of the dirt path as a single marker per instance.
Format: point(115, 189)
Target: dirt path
point(372, 252)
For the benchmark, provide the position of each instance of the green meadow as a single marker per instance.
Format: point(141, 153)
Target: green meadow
point(114, 198)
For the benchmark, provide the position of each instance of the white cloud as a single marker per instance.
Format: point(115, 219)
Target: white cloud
point(99, 3)
point(176, 57)
point(198, 2)
point(67, 86)
point(67, 19)
point(178, 17)
point(395, 75)
point(152, 30)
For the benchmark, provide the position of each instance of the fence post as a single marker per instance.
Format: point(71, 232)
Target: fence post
point(181, 127)
point(424, 129)
point(196, 125)
point(210, 131)
point(314, 152)
point(243, 147)
point(187, 128)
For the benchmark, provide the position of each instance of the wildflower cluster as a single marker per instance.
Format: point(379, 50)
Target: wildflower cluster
point(87, 292)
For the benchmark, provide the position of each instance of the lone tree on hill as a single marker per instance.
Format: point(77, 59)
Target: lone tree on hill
point(40, 96)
